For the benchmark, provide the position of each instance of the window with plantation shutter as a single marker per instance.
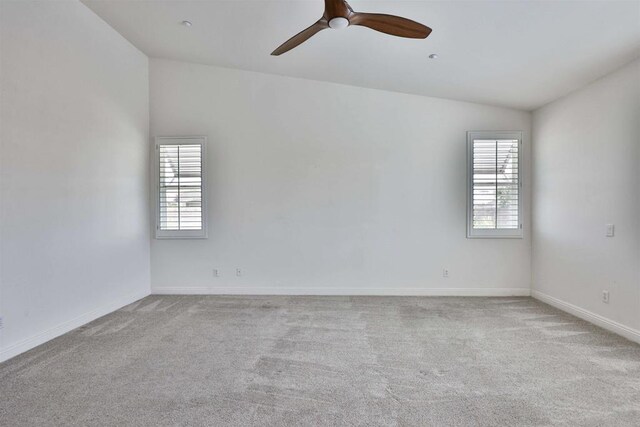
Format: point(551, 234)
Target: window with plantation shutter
point(180, 187)
point(494, 184)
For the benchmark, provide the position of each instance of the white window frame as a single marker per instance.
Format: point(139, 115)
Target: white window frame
point(180, 140)
point(500, 233)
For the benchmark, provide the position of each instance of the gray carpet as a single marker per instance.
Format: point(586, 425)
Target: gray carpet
point(290, 361)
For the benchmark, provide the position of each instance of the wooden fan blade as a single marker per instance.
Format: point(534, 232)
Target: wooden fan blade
point(390, 24)
point(301, 37)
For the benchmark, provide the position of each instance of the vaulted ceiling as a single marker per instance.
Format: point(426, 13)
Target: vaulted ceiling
point(519, 54)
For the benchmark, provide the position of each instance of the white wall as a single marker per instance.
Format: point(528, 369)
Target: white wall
point(321, 188)
point(586, 174)
point(74, 191)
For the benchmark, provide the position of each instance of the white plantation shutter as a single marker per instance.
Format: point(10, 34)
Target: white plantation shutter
point(181, 202)
point(494, 184)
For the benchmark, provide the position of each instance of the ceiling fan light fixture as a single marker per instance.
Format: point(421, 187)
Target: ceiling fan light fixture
point(339, 23)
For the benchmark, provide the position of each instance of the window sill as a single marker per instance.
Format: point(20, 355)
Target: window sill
point(493, 235)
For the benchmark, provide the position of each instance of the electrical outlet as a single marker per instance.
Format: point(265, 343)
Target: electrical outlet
point(445, 272)
point(216, 272)
point(605, 297)
point(238, 272)
point(610, 230)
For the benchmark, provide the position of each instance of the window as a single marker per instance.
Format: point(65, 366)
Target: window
point(181, 207)
point(494, 206)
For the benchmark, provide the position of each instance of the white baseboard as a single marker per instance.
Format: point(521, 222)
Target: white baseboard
point(64, 327)
point(604, 322)
point(467, 292)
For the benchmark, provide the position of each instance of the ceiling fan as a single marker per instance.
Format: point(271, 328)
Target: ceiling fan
point(338, 14)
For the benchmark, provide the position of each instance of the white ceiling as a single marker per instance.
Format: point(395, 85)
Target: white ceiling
point(520, 54)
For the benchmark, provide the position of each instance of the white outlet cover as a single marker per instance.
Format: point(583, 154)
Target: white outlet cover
point(610, 230)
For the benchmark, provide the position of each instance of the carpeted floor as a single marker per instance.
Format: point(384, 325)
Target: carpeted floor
point(291, 361)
